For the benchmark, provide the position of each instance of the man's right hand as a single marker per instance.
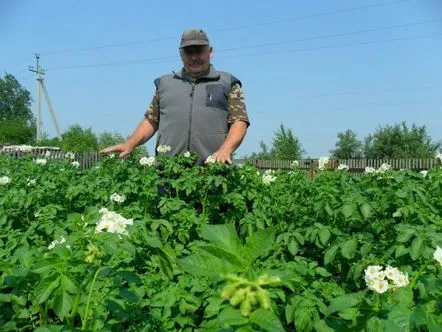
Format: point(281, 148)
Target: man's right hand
point(124, 149)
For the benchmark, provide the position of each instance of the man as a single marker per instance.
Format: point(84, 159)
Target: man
point(195, 109)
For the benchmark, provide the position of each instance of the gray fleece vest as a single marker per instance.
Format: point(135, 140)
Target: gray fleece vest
point(193, 118)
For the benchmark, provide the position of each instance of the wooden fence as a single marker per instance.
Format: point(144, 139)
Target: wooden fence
point(354, 165)
point(88, 159)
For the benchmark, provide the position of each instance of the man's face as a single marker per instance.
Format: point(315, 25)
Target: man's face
point(196, 59)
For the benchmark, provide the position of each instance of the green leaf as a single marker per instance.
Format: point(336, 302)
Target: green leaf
point(293, 247)
point(212, 308)
point(401, 251)
point(328, 209)
point(375, 324)
point(404, 296)
point(260, 243)
point(152, 240)
point(348, 248)
point(25, 255)
point(266, 320)
point(5, 297)
point(401, 193)
point(299, 238)
point(366, 210)
point(322, 326)
point(303, 318)
point(223, 236)
point(165, 263)
point(366, 248)
point(330, 254)
point(224, 255)
point(322, 272)
point(405, 235)
point(349, 313)
point(67, 284)
point(324, 235)
point(348, 210)
point(45, 289)
point(50, 328)
point(433, 326)
point(128, 295)
point(416, 247)
point(13, 298)
point(130, 277)
point(204, 264)
point(343, 302)
point(231, 317)
point(399, 319)
point(418, 317)
point(62, 304)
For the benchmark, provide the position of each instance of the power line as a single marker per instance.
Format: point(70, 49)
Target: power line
point(241, 27)
point(350, 33)
point(174, 57)
point(367, 104)
point(337, 46)
point(322, 95)
point(300, 18)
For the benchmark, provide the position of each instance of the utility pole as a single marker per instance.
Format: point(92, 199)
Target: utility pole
point(39, 72)
point(41, 86)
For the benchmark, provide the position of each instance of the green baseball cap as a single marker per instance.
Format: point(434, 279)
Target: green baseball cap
point(194, 37)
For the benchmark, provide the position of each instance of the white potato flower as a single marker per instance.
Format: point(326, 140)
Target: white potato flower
point(294, 164)
point(41, 161)
point(187, 154)
point(379, 286)
point(117, 198)
point(69, 155)
point(56, 242)
point(268, 177)
point(149, 161)
point(210, 160)
point(343, 167)
point(32, 182)
point(163, 148)
point(75, 164)
point(372, 270)
point(424, 173)
point(369, 170)
point(383, 168)
point(323, 161)
point(4, 180)
point(380, 281)
point(112, 222)
point(400, 279)
point(438, 255)
point(391, 272)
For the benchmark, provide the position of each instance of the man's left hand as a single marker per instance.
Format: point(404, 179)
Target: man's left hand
point(222, 156)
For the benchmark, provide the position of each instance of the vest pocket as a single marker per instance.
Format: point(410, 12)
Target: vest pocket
point(216, 96)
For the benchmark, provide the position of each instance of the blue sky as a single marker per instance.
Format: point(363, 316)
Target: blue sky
point(319, 67)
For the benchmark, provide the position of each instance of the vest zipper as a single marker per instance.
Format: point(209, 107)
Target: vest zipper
point(190, 116)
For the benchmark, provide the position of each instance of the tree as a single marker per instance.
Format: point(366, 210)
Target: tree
point(263, 154)
point(285, 146)
point(107, 138)
point(347, 146)
point(77, 139)
point(17, 123)
point(399, 141)
point(45, 140)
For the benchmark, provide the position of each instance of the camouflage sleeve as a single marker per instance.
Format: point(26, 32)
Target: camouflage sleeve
point(237, 107)
point(153, 111)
